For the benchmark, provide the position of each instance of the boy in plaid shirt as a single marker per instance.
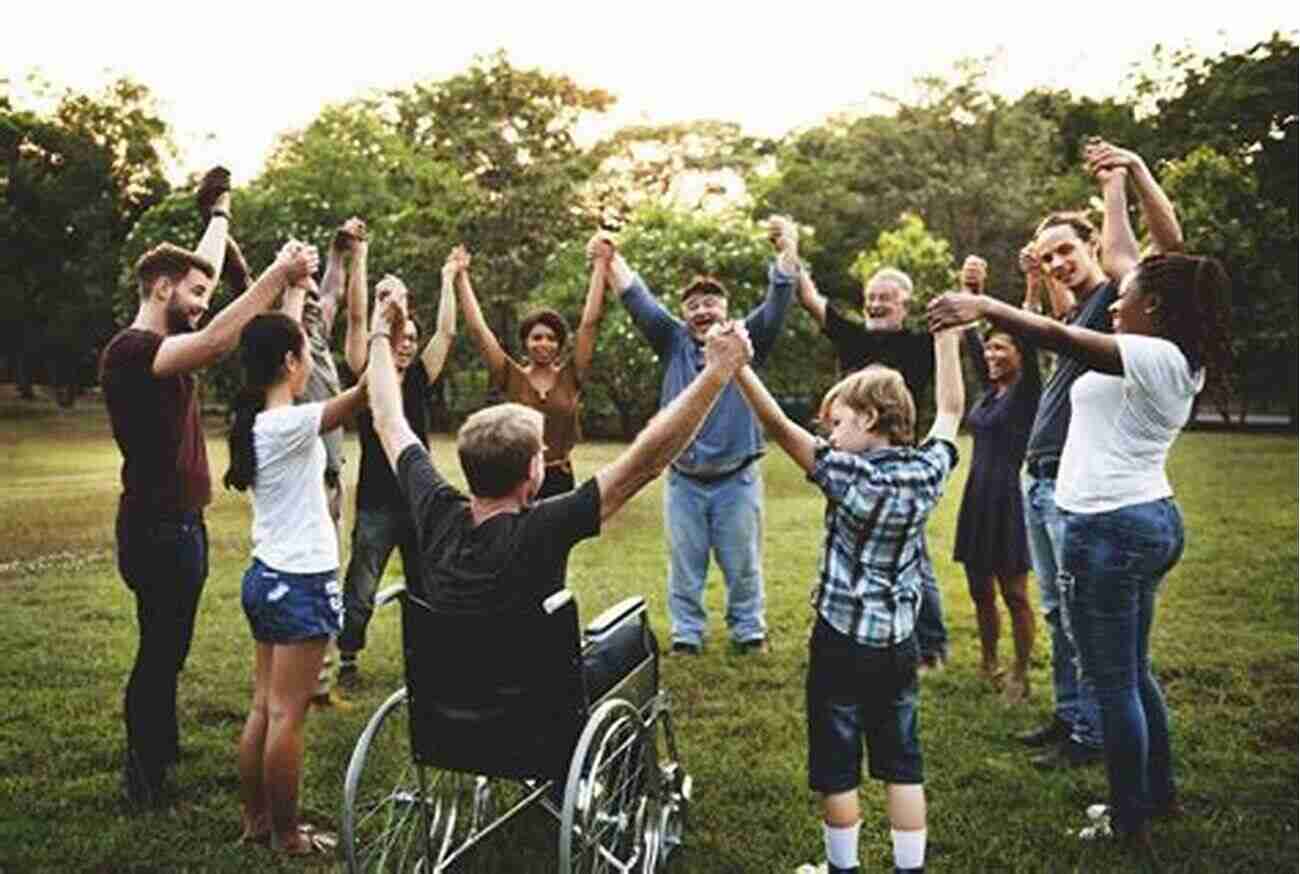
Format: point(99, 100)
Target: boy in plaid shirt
point(861, 683)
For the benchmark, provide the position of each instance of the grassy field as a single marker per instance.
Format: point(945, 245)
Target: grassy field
point(1225, 646)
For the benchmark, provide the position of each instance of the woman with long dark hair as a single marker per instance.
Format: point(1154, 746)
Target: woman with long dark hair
point(547, 380)
point(291, 591)
point(1123, 531)
point(990, 541)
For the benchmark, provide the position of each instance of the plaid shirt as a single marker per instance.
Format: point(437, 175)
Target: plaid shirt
point(874, 558)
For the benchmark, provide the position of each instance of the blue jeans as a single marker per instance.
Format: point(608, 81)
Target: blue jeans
point(164, 561)
point(1117, 560)
point(725, 517)
point(931, 634)
point(1076, 703)
point(374, 535)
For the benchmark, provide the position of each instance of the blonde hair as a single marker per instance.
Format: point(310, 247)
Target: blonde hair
point(496, 446)
point(879, 389)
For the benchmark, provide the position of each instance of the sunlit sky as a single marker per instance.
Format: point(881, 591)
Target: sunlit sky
point(231, 80)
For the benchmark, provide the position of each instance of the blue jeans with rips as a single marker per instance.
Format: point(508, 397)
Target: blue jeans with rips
point(725, 518)
point(1118, 559)
point(1076, 703)
point(375, 533)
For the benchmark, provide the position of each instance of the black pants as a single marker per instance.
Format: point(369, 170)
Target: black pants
point(164, 561)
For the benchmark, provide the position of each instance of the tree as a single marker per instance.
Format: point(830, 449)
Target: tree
point(75, 182)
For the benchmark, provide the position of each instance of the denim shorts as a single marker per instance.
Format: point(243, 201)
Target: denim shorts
point(858, 694)
point(291, 608)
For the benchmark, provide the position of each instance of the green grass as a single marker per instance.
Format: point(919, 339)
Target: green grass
point(1225, 646)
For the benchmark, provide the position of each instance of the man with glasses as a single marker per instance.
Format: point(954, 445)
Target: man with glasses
point(713, 497)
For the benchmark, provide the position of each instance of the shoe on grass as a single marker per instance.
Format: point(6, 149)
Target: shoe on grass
point(1070, 754)
point(1055, 732)
point(681, 647)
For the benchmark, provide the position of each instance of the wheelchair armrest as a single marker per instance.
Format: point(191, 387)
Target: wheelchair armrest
point(614, 615)
point(557, 600)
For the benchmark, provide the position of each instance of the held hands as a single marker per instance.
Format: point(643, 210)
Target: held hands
point(350, 236)
point(728, 344)
point(457, 262)
point(390, 287)
point(954, 309)
point(298, 261)
point(601, 249)
point(974, 273)
point(1108, 163)
point(783, 234)
point(389, 316)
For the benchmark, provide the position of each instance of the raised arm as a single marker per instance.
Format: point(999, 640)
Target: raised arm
point(358, 285)
point(385, 389)
point(811, 299)
point(949, 392)
point(764, 321)
point(672, 429)
point(654, 322)
point(331, 285)
point(488, 345)
point(789, 435)
point(600, 249)
point(435, 351)
point(181, 353)
point(343, 406)
point(954, 309)
point(1157, 210)
point(295, 297)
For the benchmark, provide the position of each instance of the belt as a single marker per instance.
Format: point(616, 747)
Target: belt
point(716, 477)
point(1043, 467)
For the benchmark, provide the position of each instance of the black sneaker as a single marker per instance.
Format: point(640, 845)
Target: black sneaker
point(1070, 754)
point(756, 646)
point(1056, 732)
point(681, 647)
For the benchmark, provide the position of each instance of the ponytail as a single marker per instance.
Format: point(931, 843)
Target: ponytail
point(243, 456)
point(262, 347)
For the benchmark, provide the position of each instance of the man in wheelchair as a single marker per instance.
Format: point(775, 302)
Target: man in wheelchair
point(498, 687)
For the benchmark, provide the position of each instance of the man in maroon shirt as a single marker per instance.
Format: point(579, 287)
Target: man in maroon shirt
point(146, 371)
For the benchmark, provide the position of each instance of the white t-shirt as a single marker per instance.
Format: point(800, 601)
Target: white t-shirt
point(1121, 427)
point(292, 528)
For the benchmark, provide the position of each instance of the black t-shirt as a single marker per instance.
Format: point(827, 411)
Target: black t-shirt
point(376, 486)
point(510, 562)
point(912, 354)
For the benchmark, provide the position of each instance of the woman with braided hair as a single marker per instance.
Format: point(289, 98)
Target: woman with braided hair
point(1123, 530)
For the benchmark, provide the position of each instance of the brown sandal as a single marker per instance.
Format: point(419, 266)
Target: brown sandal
point(313, 842)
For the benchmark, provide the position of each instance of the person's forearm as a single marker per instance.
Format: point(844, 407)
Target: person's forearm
point(439, 345)
point(294, 299)
point(223, 331)
point(1162, 221)
point(949, 392)
point(796, 441)
point(620, 274)
point(1060, 298)
point(331, 287)
point(354, 344)
point(1119, 247)
point(385, 393)
point(764, 323)
point(489, 347)
point(974, 346)
point(212, 245)
point(811, 299)
point(593, 309)
point(1096, 349)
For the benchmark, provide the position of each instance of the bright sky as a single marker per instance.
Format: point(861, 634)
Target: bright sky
point(770, 67)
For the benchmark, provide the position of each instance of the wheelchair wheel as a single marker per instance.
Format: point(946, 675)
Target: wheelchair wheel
point(383, 803)
point(674, 793)
point(607, 803)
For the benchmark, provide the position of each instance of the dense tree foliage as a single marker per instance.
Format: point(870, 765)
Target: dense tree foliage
point(490, 157)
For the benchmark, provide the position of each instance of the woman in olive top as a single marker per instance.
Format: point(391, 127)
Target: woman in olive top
point(547, 381)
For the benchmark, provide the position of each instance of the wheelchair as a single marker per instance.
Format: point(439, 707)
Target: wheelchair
point(504, 714)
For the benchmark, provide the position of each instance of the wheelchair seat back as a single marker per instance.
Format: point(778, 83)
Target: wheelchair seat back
point(500, 696)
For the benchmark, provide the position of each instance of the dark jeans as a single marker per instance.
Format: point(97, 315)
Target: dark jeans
point(931, 633)
point(375, 533)
point(164, 561)
point(1117, 560)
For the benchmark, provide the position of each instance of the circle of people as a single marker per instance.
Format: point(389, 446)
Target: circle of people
point(1067, 476)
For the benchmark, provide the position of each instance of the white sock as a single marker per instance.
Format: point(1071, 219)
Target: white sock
point(842, 844)
point(909, 848)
